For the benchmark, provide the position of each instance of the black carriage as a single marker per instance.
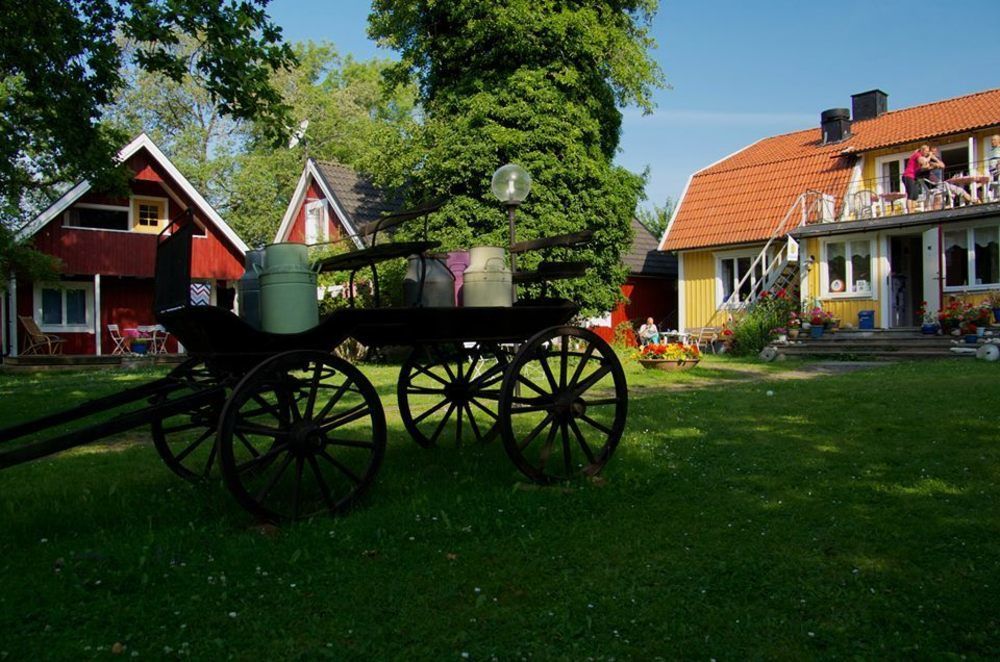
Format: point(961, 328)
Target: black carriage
point(297, 430)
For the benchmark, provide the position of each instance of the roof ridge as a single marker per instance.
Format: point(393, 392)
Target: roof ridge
point(931, 103)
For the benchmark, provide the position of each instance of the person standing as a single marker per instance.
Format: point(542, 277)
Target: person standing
point(919, 160)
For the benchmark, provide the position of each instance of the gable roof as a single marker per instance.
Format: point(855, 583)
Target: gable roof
point(744, 197)
point(644, 259)
point(354, 198)
point(139, 143)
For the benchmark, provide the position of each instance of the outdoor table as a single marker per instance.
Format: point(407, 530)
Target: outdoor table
point(970, 180)
point(891, 197)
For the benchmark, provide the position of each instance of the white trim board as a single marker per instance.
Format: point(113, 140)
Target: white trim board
point(311, 172)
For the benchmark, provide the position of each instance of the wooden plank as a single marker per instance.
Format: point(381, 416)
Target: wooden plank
point(563, 240)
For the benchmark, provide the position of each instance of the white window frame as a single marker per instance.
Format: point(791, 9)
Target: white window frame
point(321, 234)
point(824, 267)
point(970, 238)
point(135, 201)
point(87, 287)
point(902, 158)
point(720, 295)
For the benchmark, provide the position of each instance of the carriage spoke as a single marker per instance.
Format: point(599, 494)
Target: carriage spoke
point(421, 390)
point(197, 442)
point(602, 402)
point(334, 399)
point(473, 424)
point(583, 362)
point(563, 360)
point(261, 430)
point(211, 460)
point(530, 384)
point(546, 451)
point(340, 466)
point(444, 421)
point(250, 447)
point(534, 433)
point(492, 414)
point(458, 425)
point(314, 388)
point(267, 406)
point(264, 491)
point(323, 488)
point(592, 379)
point(425, 370)
point(430, 411)
point(547, 369)
point(581, 441)
point(567, 457)
point(594, 424)
point(350, 443)
point(354, 413)
point(263, 458)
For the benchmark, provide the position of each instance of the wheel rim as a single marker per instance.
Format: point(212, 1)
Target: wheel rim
point(563, 405)
point(186, 442)
point(451, 392)
point(302, 434)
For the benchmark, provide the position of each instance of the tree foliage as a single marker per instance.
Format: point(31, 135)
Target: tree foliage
point(535, 82)
point(63, 65)
point(658, 218)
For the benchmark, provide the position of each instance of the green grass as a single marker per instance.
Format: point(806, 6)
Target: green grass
point(849, 516)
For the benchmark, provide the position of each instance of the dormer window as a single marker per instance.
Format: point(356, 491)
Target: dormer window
point(149, 214)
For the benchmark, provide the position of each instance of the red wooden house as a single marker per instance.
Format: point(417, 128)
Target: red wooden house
point(330, 202)
point(107, 247)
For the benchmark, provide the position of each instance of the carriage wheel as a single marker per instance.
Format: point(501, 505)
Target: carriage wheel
point(442, 384)
point(303, 433)
point(563, 405)
point(186, 442)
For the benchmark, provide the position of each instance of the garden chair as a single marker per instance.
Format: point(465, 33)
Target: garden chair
point(35, 340)
point(706, 335)
point(121, 344)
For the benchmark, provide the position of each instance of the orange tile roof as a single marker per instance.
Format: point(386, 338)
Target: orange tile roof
point(744, 197)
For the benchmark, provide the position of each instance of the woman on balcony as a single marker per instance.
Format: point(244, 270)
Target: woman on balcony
point(919, 160)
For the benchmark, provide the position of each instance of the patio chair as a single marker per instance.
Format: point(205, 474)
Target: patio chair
point(35, 341)
point(706, 335)
point(865, 203)
point(121, 345)
point(158, 338)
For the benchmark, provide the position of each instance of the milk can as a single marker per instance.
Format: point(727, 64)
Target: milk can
point(288, 289)
point(487, 279)
point(438, 287)
point(248, 289)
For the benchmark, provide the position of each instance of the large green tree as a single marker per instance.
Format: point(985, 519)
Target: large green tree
point(62, 65)
point(537, 82)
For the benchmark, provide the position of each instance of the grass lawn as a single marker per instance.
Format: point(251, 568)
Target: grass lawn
point(745, 515)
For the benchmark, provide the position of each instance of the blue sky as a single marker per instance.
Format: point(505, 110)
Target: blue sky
point(740, 71)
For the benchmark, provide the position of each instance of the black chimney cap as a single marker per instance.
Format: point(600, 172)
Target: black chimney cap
point(834, 114)
point(869, 105)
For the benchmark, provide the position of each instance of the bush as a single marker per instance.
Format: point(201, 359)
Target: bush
point(753, 331)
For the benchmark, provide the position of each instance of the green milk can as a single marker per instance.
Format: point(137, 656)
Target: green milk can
point(287, 289)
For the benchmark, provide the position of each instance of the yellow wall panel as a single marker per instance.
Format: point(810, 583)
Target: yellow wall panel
point(699, 288)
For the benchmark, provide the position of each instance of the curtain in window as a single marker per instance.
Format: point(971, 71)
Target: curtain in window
point(956, 258)
point(836, 266)
point(861, 264)
point(987, 256)
point(51, 306)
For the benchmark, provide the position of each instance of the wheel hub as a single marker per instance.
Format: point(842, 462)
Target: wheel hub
point(306, 437)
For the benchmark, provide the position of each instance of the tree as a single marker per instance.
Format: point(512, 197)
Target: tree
point(62, 67)
point(347, 117)
point(537, 83)
point(658, 218)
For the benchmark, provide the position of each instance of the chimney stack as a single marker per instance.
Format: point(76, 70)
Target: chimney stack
point(836, 125)
point(869, 105)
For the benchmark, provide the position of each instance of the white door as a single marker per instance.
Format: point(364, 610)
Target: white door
point(932, 269)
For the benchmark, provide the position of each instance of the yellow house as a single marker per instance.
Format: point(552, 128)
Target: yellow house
point(824, 210)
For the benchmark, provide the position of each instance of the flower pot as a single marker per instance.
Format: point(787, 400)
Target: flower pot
point(793, 333)
point(816, 331)
point(929, 329)
point(971, 338)
point(782, 337)
point(668, 364)
point(139, 347)
point(996, 315)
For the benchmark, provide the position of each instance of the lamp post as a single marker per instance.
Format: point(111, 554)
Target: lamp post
point(511, 184)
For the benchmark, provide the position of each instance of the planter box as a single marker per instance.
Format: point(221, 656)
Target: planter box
point(666, 364)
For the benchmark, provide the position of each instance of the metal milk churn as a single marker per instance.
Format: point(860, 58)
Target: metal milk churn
point(248, 289)
point(288, 289)
point(428, 283)
point(487, 280)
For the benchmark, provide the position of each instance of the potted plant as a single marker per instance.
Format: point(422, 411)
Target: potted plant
point(950, 317)
point(794, 323)
point(993, 301)
point(817, 320)
point(780, 334)
point(929, 325)
point(669, 356)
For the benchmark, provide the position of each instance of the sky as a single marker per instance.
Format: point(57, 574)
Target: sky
point(743, 70)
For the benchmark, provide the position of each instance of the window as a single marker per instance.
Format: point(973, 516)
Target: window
point(848, 268)
point(972, 252)
point(733, 274)
point(889, 169)
point(150, 214)
point(64, 306)
point(317, 229)
point(98, 217)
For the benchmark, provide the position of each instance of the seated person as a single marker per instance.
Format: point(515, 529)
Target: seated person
point(648, 333)
point(935, 177)
point(993, 161)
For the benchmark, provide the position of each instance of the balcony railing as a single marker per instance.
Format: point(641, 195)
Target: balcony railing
point(956, 186)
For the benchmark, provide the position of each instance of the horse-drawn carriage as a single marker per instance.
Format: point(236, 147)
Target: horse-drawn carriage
point(297, 430)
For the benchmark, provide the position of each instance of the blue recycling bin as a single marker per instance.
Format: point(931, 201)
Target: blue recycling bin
point(866, 319)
